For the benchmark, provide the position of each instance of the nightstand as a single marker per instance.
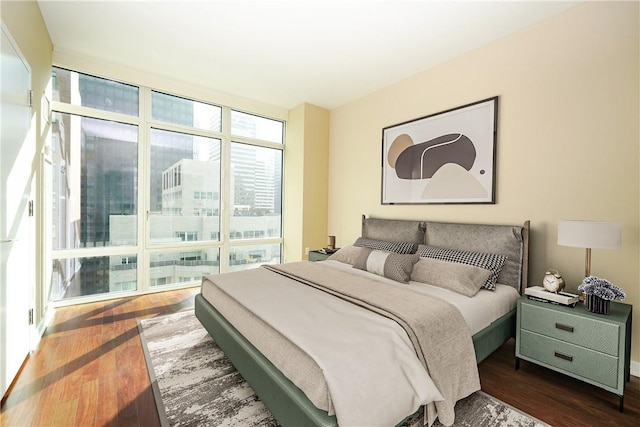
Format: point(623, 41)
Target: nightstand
point(594, 348)
point(318, 256)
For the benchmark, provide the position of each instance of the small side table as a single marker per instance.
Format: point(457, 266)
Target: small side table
point(594, 348)
point(316, 255)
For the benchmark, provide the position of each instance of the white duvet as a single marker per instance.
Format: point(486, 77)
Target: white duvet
point(348, 345)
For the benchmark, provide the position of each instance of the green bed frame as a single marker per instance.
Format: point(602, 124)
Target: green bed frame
point(288, 404)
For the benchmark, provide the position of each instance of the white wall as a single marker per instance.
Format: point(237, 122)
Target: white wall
point(568, 139)
point(25, 23)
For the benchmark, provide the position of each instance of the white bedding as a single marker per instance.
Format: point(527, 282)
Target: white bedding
point(479, 311)
point(368, 361)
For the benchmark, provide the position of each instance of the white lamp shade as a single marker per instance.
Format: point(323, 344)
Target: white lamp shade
point(590, 234)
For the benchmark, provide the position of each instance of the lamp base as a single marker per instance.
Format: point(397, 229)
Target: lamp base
point(597, 305)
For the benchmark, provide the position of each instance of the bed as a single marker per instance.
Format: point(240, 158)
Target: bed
point(281, 372)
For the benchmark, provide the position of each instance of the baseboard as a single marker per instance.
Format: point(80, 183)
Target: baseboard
point(42, 326)
point(635, 369)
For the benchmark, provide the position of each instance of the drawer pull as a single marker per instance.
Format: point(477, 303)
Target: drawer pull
point(564, 327)
point(563, 356)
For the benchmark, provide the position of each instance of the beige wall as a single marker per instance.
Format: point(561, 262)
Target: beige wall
point(316, 169)
point(568, 139)
point(294, 186)
point(306, 172)
point(25, 23)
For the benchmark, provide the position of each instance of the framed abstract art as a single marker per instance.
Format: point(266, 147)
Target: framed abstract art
point(446, 157)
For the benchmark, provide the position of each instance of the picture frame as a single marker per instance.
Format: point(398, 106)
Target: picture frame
point(446, 157)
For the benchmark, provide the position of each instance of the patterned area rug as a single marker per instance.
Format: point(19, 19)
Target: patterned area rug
point(194, 384)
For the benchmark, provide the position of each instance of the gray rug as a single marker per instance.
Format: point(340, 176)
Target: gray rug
point(194, 384)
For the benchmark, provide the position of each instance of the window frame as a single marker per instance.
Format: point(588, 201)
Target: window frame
point(144, 248)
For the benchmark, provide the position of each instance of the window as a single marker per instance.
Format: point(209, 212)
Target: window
point(95, 92)
point(174, 109)
point(185, 165)
point(129, 260)
point(77, 277)
point(171, 268)
point(124, 286)
point(244, 257)
point(136, 183)
point(255, 127)
point(187, 236)
point(256, 190)
point(96, 184)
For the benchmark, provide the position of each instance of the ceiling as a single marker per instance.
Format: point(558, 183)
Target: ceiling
point(284, 53)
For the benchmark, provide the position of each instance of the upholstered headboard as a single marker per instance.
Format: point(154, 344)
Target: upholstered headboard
point(396, 230)
point(508, 240)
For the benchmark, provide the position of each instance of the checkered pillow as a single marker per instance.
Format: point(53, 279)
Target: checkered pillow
point(383, 245)
point(491, 262)
point(393, 266)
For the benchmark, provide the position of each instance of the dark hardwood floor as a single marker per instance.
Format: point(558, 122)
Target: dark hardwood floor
point(89, 370)
point(556, 399)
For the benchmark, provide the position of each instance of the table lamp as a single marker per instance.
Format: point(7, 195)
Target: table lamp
point(590, 235)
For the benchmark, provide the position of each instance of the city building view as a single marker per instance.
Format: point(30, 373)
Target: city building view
point(96, 185)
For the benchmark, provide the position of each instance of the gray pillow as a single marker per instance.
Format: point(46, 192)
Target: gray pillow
point(383, 245)
point(461, 278)
point(393, 266)
point(346, 254)
point(505, 240)
point(493, 262)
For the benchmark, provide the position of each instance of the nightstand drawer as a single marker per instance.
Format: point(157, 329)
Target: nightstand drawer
point(578, 360)
point(580, 330)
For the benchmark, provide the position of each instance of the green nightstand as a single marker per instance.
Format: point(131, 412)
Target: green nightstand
point(318, 256)
point(594, 348)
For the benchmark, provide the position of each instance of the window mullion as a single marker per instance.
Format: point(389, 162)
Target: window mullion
point(143, 189)
point(183, 129)
point(225, 189)
point(57, 106)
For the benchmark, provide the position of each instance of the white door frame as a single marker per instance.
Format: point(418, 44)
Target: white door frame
point(17, 230)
